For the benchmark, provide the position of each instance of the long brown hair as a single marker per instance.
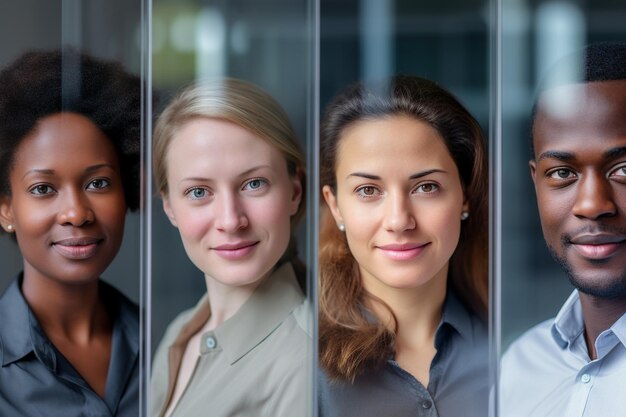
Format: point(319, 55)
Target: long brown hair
point(351, 341)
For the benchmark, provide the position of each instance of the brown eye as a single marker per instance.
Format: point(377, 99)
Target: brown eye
point(562, 174)
point(41, 189)
point(427, 188)
point(368, 191)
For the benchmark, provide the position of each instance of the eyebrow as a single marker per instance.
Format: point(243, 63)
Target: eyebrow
point(88, 170)
point(615, 152)
point(568, 156)
point(243, 174)
point(560, 155)
point(412, 177)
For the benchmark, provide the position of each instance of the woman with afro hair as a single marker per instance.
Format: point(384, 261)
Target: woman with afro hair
point(69, 155)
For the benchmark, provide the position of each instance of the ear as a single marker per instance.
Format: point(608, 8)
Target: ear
point(167, 208)
point(533, 171)
point(296, 196)
point(6, 212)
point(331, 202)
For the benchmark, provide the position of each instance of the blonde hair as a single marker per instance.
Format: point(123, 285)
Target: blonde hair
point(238, 102)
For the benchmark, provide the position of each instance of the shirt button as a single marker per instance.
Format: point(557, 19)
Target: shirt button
point(585, 378)
point(211, 342)
point(427, 404)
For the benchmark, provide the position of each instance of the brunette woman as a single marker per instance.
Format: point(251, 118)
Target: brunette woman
point(403, 254)
point(69, 153)
point(231, 175)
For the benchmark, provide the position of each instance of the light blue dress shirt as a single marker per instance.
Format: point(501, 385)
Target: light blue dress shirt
point(547, 371)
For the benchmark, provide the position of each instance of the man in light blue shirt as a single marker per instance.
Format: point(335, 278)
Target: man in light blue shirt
point(575, 365)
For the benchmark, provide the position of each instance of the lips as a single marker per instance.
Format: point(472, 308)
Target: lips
point(597, 246)
point(236, 250)
point(403, 251)
point(77, 248)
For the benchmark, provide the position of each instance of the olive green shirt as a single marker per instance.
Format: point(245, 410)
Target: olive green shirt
point(256, 363)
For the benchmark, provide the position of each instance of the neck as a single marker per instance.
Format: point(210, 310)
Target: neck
point(599, 315)
point(225, 300)
point(417, 311)
point(69, 311)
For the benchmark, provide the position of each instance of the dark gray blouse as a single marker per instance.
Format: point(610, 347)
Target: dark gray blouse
point(459, 378)
point(37, 381)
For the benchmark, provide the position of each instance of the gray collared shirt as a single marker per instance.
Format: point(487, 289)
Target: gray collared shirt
point(547, 371)
point(458, 386)
point(37, 381)
point(255, 364)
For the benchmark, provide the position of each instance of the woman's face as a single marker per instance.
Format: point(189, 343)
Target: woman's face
point(231, 198)
point(400, 198)
point(67, 202)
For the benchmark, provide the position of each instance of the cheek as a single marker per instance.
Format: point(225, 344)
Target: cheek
point(271, 214)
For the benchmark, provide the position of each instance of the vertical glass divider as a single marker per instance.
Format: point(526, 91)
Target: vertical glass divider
point(495, 196)
point(146, 206)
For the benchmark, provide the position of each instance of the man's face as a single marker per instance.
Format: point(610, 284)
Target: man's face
point(579, 172)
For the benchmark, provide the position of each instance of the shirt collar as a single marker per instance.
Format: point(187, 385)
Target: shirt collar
point(455, 316)
point(568, 324)
point(21, 333)
point(272, 301)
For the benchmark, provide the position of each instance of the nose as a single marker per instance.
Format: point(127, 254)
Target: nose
point(231, 215)
point(398, 214)
point(76, 209)
point(594, 198)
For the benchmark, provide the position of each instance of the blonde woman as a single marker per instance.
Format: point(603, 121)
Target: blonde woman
point(232, 179)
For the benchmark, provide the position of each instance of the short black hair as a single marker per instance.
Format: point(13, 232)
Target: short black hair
point(42, 83)
point(605, 61)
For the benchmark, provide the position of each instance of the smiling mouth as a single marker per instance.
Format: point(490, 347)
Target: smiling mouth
point(597, 247)
point(235, 251)
point(403, 251)
point(77, 248)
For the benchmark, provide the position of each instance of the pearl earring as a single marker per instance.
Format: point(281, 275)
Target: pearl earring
point(342, 227)
point(464, 215)
point(9, 227)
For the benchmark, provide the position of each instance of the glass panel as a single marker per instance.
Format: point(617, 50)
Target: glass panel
point(537, 38)
point(380, 225)
point(71, 119)
point(233, 233)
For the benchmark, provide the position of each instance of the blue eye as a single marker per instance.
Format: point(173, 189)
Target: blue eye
point(41, 189)
point(255, 184)
point(98, 184)
point(197, 193)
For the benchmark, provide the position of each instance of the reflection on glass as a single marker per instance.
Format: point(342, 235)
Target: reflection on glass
point(573, 364)
point(403, 253)
point(69, 155)
point(232, 178)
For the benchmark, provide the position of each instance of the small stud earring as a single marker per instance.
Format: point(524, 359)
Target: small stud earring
point(342, 227)
point(464, 215)
point(9, 227)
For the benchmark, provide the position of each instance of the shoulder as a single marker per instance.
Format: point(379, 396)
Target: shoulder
point(529, 367)
point(536, 341)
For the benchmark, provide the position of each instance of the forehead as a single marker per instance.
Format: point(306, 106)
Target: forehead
point(395, 142)
point(581, 117)
point(218, 147)
point(64, 139)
